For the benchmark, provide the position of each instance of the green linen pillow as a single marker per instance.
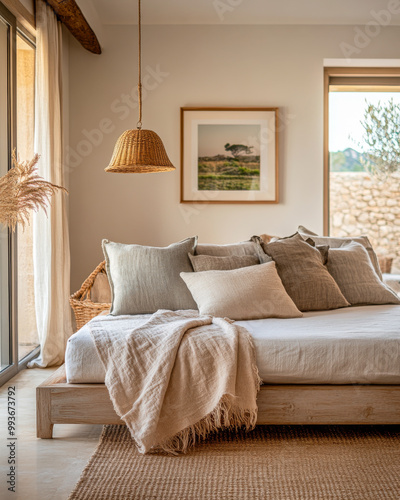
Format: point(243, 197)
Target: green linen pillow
point(351, 268)
point(304, 276)
point(253, 292)
point(144, 279)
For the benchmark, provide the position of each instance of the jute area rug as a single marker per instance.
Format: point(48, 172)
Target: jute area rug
point(274, 463)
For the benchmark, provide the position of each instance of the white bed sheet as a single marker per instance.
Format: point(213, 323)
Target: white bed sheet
point(355, 345)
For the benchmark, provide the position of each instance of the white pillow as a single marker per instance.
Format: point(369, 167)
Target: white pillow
point(248, 293)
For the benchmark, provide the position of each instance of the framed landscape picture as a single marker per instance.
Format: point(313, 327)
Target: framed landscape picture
point(229, 155)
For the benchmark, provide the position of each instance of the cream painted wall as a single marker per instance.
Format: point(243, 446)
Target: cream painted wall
point(201, 66)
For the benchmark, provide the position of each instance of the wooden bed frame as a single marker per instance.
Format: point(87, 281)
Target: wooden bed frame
point(58, 402)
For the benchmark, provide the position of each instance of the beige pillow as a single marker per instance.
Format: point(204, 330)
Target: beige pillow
point(304, 275)
point(212, 263)
point(249, 293)
point(351, 268)
point(393, 282)
point(334, 242)
point(241, 248)
point(145, 279)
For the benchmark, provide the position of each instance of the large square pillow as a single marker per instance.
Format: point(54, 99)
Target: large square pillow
point(304, 276)
point(248, 293)
point(226, 263)
point(336, 242)
point(351, 268)
point(144, 279)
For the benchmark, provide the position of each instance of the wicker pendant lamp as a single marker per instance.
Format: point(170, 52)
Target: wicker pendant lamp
point(139, 151)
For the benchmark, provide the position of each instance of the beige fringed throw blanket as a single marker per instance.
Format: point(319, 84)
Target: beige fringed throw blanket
point(178, 376)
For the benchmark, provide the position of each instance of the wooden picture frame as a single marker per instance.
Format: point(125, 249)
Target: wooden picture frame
point(229, 155)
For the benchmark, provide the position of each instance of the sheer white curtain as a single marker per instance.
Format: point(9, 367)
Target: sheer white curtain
point(51, 256)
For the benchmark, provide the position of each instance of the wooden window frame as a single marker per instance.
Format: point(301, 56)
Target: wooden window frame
point(25, 20)
point(12, 368)
point(343, 72)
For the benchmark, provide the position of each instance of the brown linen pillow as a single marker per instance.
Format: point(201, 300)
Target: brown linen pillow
point(253, 292)
point(335, 242)
point(323, 250)
point(304, 275)
point(351, 268)
point(212, 263)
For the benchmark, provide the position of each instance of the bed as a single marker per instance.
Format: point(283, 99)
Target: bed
point(330, 367)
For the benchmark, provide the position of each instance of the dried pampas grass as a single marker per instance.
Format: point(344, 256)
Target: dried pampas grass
point(23, 190)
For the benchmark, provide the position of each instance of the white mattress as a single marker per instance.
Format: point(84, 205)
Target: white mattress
point(355, 345)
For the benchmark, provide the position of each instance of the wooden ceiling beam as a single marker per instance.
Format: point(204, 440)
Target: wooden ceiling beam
point(69, 13)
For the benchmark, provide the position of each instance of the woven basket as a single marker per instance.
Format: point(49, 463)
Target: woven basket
point(385, 263)
point(84, 309)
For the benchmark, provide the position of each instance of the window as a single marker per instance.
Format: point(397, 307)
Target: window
point(27, 331)
point(18, 333)
point(358, 199)
point(7, 142)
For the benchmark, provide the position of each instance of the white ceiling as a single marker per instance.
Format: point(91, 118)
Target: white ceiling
point(244, 11)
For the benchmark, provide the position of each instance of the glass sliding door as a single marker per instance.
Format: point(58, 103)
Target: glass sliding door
point(8, 346)
point(28, 341)
point(4, 299)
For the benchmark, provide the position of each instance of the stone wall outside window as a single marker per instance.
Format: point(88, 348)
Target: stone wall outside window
point(360, 204)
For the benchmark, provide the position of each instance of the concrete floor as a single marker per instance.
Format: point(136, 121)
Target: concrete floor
point(47, 469)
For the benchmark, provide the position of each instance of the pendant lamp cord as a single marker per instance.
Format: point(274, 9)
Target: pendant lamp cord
point(139, 123)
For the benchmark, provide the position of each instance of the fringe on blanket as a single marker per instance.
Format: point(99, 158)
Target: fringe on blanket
point(224, 416)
